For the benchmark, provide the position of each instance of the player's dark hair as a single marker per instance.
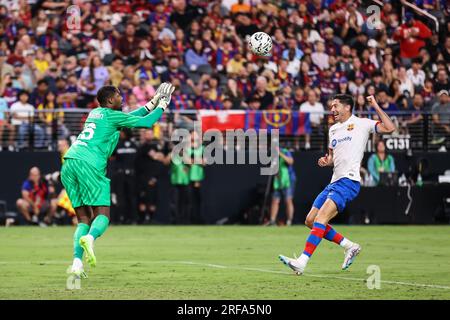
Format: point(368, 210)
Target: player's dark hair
point(345, 99)
point(105, 93)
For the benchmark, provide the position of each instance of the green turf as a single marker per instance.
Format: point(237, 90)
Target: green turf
point(172, 263)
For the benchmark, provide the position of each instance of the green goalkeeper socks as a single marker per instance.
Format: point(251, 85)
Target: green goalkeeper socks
point(81, 230)
point(99, 226)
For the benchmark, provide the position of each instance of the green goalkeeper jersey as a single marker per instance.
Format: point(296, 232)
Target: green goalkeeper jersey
point(101, 131)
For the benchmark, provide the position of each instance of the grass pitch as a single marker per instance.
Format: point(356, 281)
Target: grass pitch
point(228, 262)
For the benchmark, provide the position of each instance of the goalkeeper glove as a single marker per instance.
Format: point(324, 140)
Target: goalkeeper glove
point(165, 94)
point(153, 102)
point(165, 89)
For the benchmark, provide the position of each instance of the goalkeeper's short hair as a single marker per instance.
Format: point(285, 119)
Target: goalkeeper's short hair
point(105, 93)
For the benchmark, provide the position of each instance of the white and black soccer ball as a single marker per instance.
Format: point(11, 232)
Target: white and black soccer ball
point(261, 44)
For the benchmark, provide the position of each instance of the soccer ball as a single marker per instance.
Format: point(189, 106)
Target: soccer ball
point(261, 44)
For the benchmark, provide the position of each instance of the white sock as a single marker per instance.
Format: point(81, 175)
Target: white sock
point(303, 259)
point(77, 263)
point(345, 243)
point(90, 237)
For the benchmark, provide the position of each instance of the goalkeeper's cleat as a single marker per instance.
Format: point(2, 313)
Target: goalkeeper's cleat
point(350, 255)
point(77, 272)
point(87, 243)
point(77, 269)
point(294, 264)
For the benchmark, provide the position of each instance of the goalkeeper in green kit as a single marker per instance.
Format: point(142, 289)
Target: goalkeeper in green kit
point(84, 170)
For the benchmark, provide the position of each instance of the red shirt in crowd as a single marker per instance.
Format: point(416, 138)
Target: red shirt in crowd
point(410, 44)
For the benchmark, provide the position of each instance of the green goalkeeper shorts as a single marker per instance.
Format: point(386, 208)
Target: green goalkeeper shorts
point(85, 185)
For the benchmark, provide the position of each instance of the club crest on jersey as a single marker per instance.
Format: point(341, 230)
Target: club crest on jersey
point(350, 127)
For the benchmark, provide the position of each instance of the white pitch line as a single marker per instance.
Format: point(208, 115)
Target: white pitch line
point(218, 266)
point(314, 275)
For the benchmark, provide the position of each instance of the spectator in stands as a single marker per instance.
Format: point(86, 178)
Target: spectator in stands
point(234, 94)
point(410, 122)
point(441, 82)
point(92, 78)
point(20, 80)
point(5, 67)
point(22, 117)
point(264, 96)
point(41, 62)
point(292, 46)
point(143, 90)
point(360, 105)
point(52, 121)
point(428, 93)
point(127, 47)
point(319, 56)
point(4, 124)
point(235, 64)
point(377, 81)
point(380, 162)
point(37, 96)
point(416, 75)
point(176, 76)
point(383, 101)
point(183, 14)
point(412, 35)
point(406, 85)
point(205, 102)
point(316, 113)
point(195, 56)
point(101, 44)
point(441, 119)
point(66, 95)
point(36, 203)
point(147, 72)
point(115, 71)
point(357, 86)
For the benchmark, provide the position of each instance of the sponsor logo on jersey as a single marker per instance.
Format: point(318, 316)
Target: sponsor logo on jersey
point(95, 115)
point(334, 142)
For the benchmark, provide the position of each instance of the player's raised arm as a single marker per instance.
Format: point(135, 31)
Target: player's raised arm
point(386, 125)
point(120, 119)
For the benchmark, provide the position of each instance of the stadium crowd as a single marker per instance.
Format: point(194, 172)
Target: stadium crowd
point(51, 58)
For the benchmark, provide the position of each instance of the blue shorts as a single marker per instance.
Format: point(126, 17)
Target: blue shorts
point(341, 192)
point(286, 193)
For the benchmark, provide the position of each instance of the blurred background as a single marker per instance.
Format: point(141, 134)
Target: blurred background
point(54, 59)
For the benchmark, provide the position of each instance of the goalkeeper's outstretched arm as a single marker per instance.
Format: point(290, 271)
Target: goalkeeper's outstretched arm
point(149, 120)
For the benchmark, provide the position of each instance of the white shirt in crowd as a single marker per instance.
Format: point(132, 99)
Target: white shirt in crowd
point(22, 110)
point(316, 111)
point(103, 47)
point(417, 79)
point(355, 89)
point(407, 85)
point(320, 59)
point(348, 141)
point(293, 67)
